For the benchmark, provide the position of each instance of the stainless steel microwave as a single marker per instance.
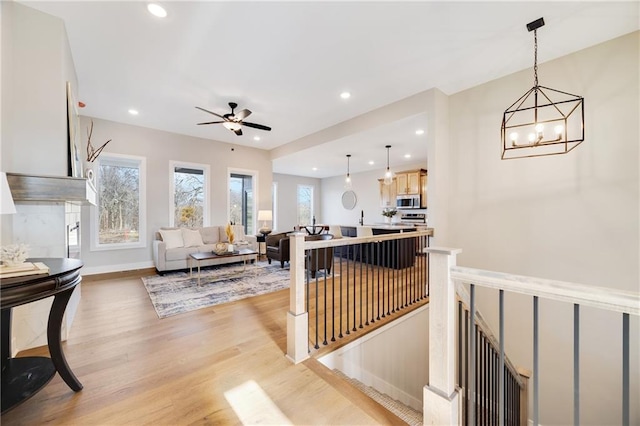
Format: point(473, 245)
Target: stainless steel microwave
point(408, 202)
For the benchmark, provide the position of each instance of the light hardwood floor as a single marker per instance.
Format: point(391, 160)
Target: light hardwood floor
point(220, 365)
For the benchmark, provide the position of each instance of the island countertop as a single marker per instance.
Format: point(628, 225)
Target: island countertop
point(350, 230)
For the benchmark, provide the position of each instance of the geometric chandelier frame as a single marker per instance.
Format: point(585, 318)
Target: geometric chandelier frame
point(543, 121)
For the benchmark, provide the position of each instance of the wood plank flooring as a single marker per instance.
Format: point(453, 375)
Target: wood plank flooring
point(220, 365)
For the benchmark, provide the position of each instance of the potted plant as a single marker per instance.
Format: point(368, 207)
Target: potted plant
point(389, 213)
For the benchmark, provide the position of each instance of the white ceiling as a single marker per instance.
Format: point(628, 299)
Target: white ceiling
point(288, 62)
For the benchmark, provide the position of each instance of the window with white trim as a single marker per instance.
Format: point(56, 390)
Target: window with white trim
point(119, 217)
point(189, 195)
point(305, 204)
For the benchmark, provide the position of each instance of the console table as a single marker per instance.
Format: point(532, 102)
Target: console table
point(23, 377)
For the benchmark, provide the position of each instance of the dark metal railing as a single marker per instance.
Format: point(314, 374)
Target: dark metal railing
point(358, 281)
point(481, 369)
point(622, 302)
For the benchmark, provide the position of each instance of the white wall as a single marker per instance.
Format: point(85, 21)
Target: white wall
point(287, 213)
point(367, 190)
point(36, 64)
point(570, 217)
point(159, 148)
point(393, 359)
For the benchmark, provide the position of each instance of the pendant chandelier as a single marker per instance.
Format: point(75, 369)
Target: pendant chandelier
point(347, 179)
point(388, 176)
point(543, 121)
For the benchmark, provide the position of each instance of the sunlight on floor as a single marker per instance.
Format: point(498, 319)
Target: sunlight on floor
point(253, 406)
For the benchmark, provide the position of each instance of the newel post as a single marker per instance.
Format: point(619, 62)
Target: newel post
point(441, 399)
point(297, 317)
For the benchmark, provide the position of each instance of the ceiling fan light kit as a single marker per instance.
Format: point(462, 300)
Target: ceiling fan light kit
point(233, 121)
point(543, 121)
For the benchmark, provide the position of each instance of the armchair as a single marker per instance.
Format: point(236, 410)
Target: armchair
point(278, 248)
point(322, 258)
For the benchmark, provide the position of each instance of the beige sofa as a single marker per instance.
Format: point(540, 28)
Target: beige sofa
point(172, 246)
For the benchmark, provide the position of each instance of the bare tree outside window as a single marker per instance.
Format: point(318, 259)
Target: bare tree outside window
point(118, 204)
point(188, 197)
point(305, 204)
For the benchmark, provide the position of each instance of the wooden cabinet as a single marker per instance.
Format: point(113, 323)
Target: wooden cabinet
point(408, 183)
point(387, 193)
point(423, 191)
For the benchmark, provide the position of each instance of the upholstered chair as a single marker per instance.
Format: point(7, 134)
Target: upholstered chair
point(278, 247)
point(321, 259)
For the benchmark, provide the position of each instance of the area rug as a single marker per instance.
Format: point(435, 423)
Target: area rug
point(175, 292)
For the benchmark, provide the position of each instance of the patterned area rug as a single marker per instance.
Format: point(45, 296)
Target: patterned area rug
point(175, 293)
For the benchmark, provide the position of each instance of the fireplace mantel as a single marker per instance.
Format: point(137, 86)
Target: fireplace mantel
point(51, 188)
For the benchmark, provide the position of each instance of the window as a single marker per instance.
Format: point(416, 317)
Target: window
point(189, 199)
point(119, 218)
point(305, 204)
point(274, 204)
point(242, 201)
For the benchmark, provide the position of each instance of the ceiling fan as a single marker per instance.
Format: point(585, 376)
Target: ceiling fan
point(233, 121)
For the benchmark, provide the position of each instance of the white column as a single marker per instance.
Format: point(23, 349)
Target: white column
point(297, 317)
point(441, 402)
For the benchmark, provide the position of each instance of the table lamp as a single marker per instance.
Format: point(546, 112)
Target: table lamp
point(265, 216)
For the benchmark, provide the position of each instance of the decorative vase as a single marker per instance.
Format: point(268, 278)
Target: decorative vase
point(229, 247)
point(387, 219)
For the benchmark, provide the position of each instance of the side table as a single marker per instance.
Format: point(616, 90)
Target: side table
point(262, 243)
point(23, 377)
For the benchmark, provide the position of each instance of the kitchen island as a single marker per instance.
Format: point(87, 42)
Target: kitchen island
point(397, 254)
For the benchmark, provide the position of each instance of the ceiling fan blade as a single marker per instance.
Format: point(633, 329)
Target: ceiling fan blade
point(238, 132)
point(256, 126)
point(211, 122)
point(243, 114)
point(210, 112)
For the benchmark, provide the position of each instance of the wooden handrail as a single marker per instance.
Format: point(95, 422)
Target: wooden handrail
point(581, 294)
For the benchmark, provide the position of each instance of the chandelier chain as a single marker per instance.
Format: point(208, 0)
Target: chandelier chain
point(535, 58)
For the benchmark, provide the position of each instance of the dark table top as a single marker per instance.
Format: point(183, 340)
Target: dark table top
point(63, 274)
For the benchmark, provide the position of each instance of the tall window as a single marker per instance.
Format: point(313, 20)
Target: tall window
point(305, 204)
point(274, 204)
point(189, 195)
point(120, 214)
point(241, 201)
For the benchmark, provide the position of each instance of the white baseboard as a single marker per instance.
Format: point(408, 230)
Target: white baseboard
point(93, 270)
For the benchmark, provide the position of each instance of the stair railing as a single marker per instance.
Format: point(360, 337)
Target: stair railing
point(442, 404)
point(370, 279)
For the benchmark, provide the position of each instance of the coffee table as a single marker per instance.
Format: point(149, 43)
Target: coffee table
point(244, 254)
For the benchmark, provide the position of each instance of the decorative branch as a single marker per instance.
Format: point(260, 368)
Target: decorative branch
point(93, 153)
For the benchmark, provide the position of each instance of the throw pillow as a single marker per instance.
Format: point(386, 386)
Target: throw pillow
point(172, 238)
point(210, 234)
point(191, 238)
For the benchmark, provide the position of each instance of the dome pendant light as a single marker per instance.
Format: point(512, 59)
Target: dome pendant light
point(388, 176)
point(347, 180)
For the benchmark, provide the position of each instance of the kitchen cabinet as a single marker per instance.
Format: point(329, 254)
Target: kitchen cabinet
point(408, 183)
point(423, 191)
point(387, 193)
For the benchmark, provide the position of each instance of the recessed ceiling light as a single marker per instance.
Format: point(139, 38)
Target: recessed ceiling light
point(407, 156)
point(419, 132)
point(314, 168)
point(133, 111)
point(371, 163)
point(256, 138)
point(345, 95)
point(157, 10)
